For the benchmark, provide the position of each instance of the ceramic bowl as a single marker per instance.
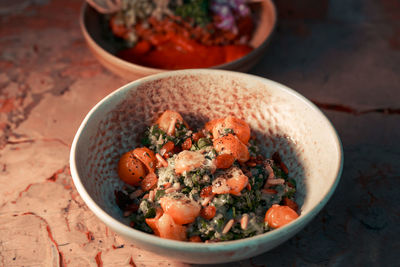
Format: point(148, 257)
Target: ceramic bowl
point(104, 49)
point(280, 118)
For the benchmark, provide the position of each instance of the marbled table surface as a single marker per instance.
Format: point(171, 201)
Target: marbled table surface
point(342, 54)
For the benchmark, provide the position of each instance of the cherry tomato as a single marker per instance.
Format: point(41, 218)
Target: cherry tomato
point(290, 203)
point(277, 216)
point(130, 169)
point(149, 182)
point(187, 144)
point(208, 212)
point(146, 156)
point(195, 238)
point(166, 148)
point(224, 161)
point(197, 136)
point(206, 191)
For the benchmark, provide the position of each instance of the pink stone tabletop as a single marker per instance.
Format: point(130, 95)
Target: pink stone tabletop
point(343, 55)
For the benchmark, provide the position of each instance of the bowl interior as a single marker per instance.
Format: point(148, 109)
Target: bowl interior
point(281, 119)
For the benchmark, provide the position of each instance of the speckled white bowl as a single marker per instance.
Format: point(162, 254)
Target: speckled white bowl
point(282, 120)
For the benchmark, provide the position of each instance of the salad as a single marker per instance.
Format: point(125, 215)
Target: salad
point(178, 34)
point(208, 185)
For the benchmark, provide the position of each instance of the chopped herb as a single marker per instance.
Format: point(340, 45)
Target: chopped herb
point(290, 193)
point(139, 223)
point(221, 223)
point(203, 142)
point(293, 182)
point(279, 172)
point(159, 194)
point(228, 131)
point(196, 10)
point(145, 141)
point(186, 190)
point(151, 213)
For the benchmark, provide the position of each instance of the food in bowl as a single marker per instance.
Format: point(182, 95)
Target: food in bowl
point(208, 185)
point(280, 118)
point(179, 34)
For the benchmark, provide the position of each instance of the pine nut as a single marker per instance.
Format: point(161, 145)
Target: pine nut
point(136, 194)
point(163, 162)
point(228, 226)
point(244, 221)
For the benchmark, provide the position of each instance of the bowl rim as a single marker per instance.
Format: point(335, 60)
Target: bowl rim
point(128, 65)
point(191, 246)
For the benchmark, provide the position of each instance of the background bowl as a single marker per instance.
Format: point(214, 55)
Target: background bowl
point(104, 49)
point(281, 119)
